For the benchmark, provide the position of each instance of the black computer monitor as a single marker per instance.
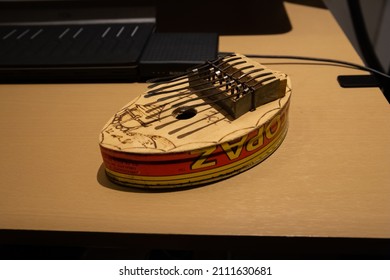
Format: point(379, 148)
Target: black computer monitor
point(222, 17)
point(52, 40)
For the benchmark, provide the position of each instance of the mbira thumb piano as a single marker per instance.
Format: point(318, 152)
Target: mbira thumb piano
point(215, 121)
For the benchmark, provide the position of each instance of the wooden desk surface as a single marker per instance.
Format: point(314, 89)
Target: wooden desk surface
point(330, 177)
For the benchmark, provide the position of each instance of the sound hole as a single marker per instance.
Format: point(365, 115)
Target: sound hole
point(184, 113)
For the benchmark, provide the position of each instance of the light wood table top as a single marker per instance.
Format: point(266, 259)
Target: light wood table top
point(329, 178)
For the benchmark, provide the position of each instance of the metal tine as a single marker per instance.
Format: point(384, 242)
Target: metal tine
point(174, 105)
point(178, 83)
point(208, 88)
point(226, 90)
point(218, 93)
point(220, 99)
point(209, 95)
point(184, 94)
point(200, 104)
point(157, 81)
point(233, 95)
point(195, 71)
point(211, 64)
point(149, 94)
point(157, 92)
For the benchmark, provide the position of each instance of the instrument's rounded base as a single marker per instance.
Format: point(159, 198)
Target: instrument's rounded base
point(151, 143)
point(197, 178)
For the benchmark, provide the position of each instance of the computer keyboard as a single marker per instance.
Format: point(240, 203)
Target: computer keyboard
point(98, 52)
point(53, 45)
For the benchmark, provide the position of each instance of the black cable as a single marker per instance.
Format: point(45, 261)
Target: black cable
point(327, 60)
